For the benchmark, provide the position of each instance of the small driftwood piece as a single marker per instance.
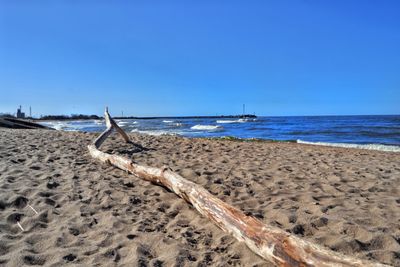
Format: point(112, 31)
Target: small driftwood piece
point(271, 243)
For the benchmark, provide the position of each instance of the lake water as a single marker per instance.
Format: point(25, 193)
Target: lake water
point(372, 132)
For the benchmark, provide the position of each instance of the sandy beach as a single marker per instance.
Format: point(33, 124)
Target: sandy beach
point(91, 214)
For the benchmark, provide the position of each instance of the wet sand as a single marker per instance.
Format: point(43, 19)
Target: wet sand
point(91, 214)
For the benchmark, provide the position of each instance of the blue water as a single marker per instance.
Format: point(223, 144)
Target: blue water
point(384, 130)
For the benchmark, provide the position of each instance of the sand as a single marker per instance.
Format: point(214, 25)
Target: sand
point(90, 214)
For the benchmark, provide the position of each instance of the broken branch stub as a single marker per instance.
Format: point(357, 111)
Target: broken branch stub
point(271, 243)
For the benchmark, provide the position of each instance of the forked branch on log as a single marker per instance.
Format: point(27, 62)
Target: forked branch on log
point(271, 243)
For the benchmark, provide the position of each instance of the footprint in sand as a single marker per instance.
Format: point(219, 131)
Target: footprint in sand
point(70, 257)
point(20, 202)
point(34, 260)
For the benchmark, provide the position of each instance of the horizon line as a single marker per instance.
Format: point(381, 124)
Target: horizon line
point(194, 116)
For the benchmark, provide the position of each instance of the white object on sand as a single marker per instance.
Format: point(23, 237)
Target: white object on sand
point(20, 226)
point(33, 209)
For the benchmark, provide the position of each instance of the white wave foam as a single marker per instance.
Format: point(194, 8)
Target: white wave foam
point(59, 126)
point(236, 121)
point(173, 123)
point(246, 120)
point(227, 121)
point(155, 132)
point(56, 125)
point(366, 146)
point(122, 123)
point(206, 127)
point(70, 125)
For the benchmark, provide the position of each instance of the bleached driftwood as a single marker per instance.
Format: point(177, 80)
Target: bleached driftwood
point(271, 243)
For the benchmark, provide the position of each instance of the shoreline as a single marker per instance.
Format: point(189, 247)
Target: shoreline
point(375, 147)
point(90, 213)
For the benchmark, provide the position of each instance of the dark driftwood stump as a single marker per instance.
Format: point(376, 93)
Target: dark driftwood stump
point(271, 243)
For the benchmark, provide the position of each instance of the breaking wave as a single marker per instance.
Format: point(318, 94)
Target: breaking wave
point(228, 121)
point(206, 127)
point(122, 123)
point(235, 121)
point(60, 126)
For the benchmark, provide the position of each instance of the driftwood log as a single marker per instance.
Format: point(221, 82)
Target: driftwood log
point(271, 243)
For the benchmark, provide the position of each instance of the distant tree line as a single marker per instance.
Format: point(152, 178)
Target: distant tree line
point(71, 117)
point(57, 117)
point(6, 115)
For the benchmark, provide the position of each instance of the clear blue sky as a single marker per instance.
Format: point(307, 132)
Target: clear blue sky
point(200, 57)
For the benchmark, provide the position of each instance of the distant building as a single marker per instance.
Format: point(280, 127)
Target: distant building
point(20, 114)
